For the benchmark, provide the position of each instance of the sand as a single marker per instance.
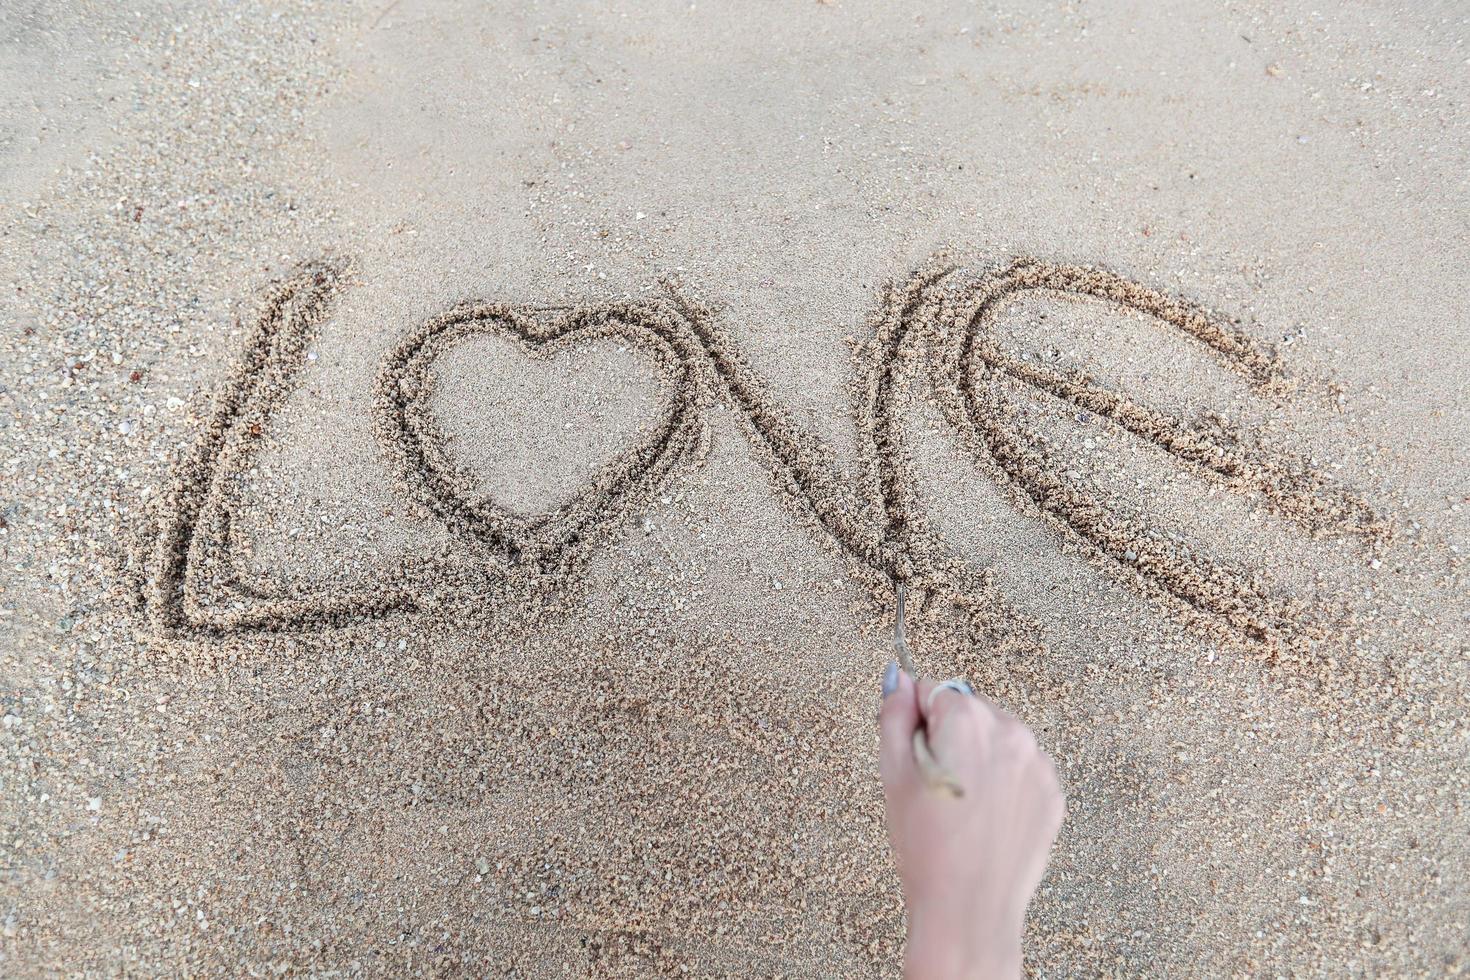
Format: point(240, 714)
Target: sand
point(457, 463)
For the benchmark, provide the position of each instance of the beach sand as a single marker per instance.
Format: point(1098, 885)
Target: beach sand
point(455, 462)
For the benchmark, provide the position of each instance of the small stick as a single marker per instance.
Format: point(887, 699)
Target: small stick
point(936, 775)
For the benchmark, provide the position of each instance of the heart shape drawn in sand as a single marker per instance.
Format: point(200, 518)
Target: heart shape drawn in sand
point(526, 427)
point(419, 448)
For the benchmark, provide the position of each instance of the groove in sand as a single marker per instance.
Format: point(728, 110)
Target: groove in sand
point(936, 324)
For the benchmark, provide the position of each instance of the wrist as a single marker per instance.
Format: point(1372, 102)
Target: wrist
point(939, 950)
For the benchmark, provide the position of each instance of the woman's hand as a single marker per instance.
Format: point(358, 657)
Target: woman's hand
point(969, 865)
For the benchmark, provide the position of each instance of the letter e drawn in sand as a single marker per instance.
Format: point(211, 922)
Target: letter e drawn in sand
point(936, 325)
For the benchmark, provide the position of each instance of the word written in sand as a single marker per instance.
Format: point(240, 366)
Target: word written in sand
point(937, 326)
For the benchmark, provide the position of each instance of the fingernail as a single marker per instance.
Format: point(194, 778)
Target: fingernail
point(968, 689)
point(890, 678)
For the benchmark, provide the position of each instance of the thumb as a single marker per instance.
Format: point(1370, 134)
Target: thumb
point(898, 716)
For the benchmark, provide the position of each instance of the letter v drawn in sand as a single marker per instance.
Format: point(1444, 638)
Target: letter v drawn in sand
point(937, 325)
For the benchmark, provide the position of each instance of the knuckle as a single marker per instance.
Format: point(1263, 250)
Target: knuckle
point(1019, 740)
point(1057, 808)
point(976, 709)
point(1051, 788)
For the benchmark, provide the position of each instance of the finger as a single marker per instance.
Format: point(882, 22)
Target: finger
point(937, 704)
point(898, 716)
point(960, 726)
point(935, 774)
